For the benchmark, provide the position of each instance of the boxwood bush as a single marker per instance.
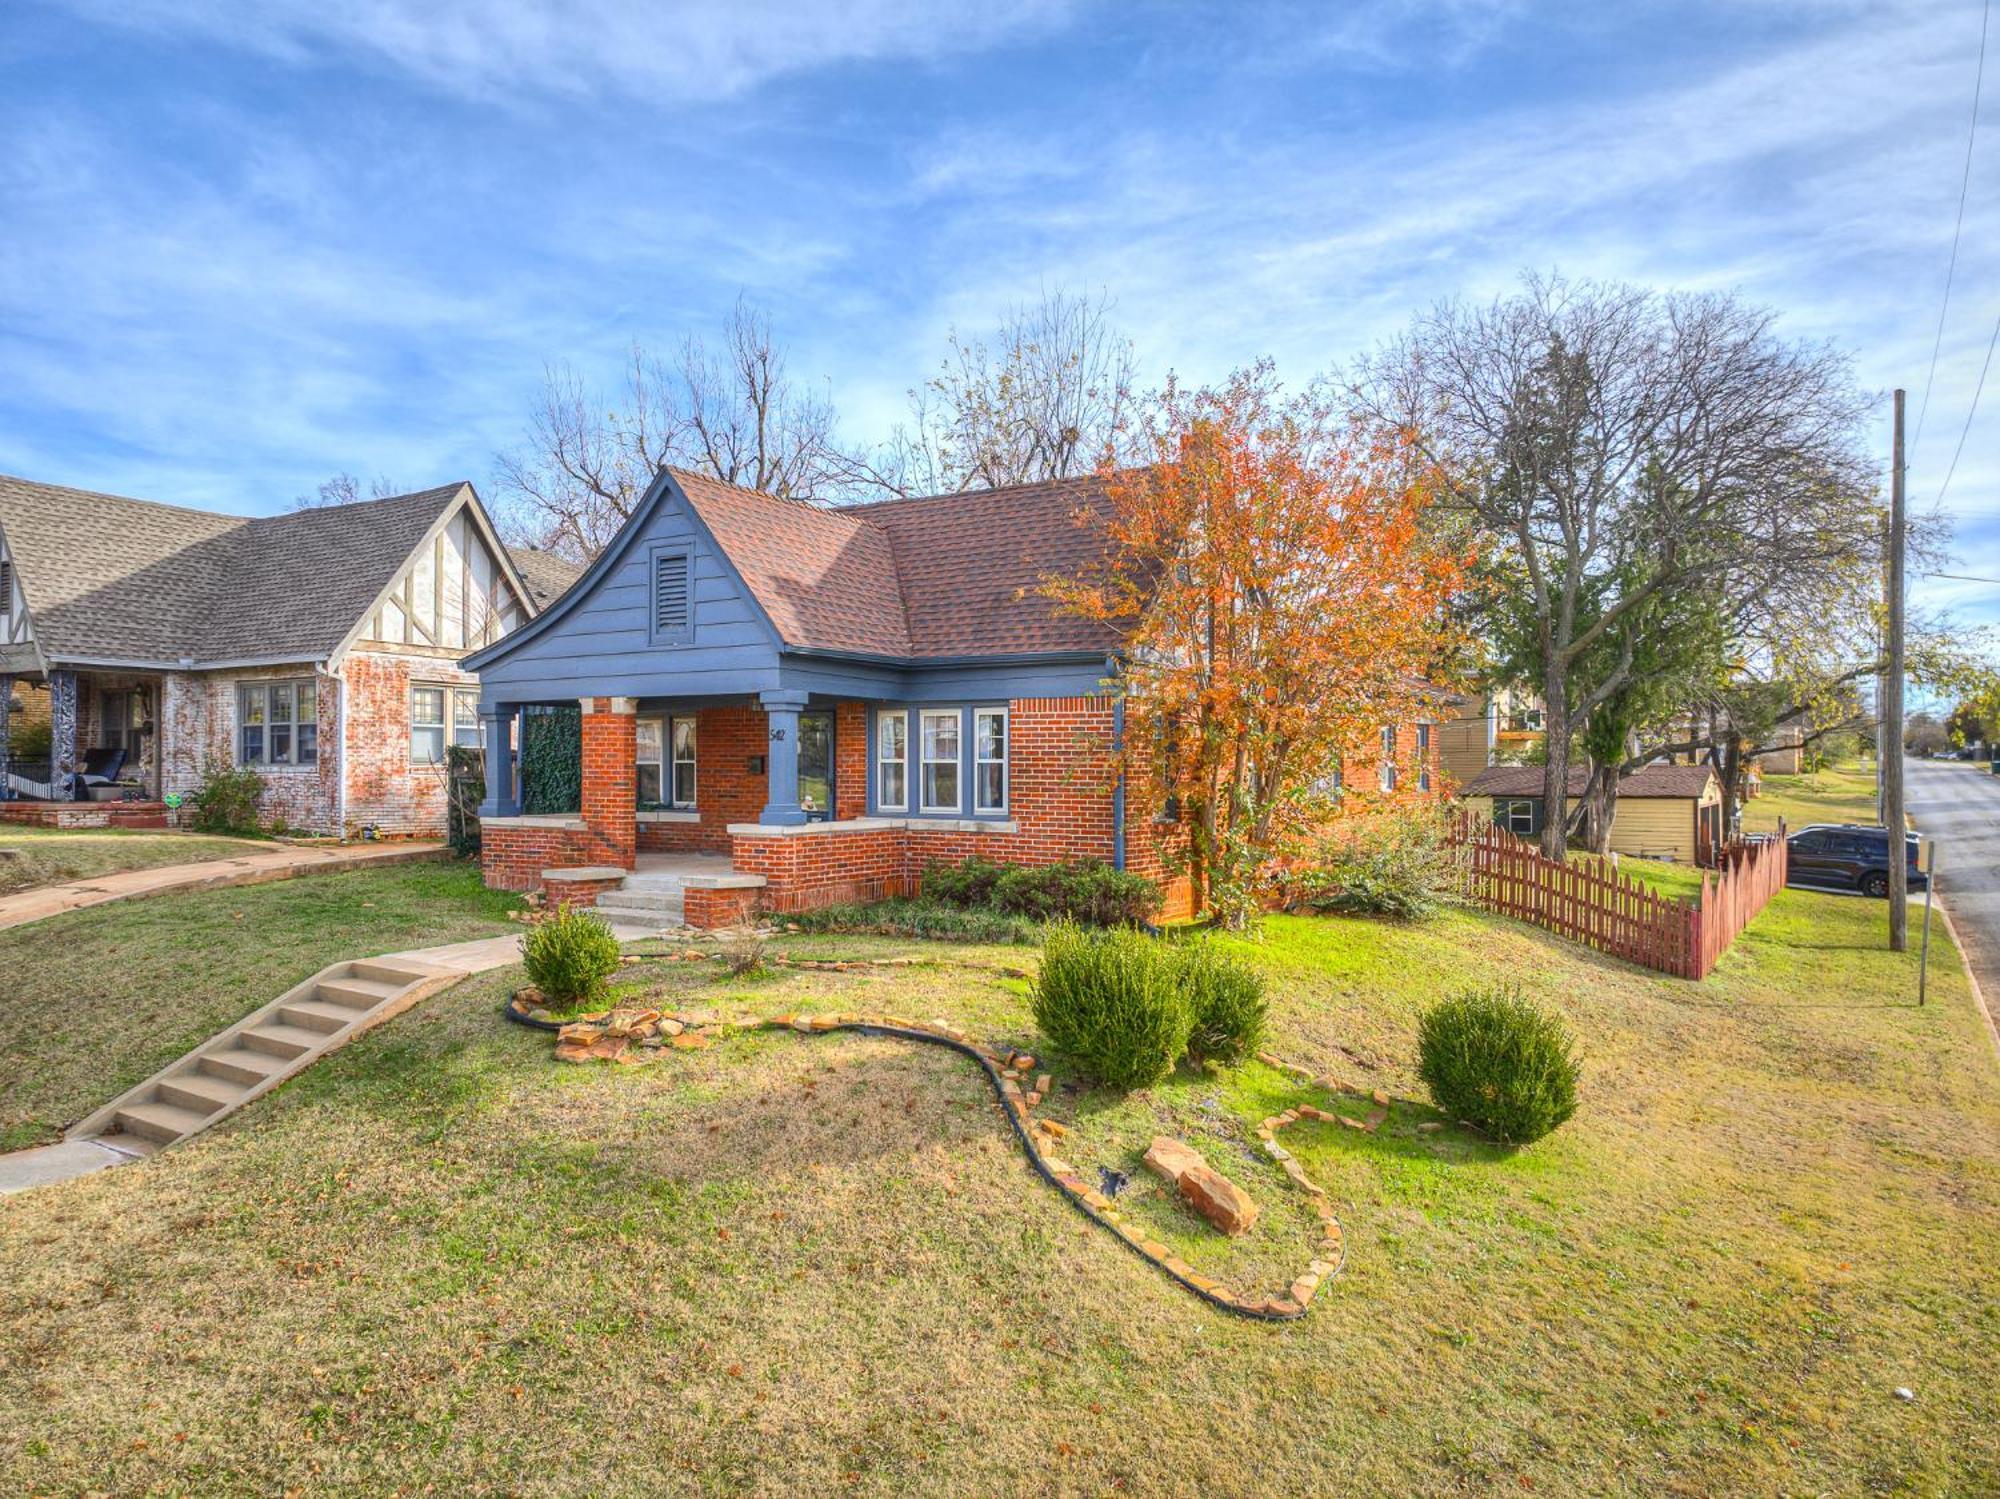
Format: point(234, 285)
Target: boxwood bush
point(1226, 997)
point(1114, 1001)
point(569, 954)
point(1492, 1058)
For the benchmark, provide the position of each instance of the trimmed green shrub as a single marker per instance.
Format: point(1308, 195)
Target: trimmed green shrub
point(1226, 997)
point(1087, 891)
point(1399, 865)
point(569, 954)
point(227, 800)
point(919, 918)
point(1492, 1058)
point(1114, 1001)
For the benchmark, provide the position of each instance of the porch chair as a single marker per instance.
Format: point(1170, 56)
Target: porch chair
point(101, 767)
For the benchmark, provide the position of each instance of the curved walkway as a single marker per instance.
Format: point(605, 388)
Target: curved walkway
point(278, 862)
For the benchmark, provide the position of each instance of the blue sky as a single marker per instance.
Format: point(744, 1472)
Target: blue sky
point(245, 244)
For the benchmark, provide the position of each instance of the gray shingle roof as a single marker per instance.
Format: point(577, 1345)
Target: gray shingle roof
point(548, 576)
point(115, 579)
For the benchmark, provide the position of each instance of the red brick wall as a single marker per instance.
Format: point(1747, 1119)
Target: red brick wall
point(709, 909)
point(850, 760)
point(197, 726)
point(610, 781)
point(386, 789)
point(562, 894)
point(513, 858)
point(725, 791)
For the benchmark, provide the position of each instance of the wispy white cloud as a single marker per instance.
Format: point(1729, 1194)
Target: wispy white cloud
point(694, 50)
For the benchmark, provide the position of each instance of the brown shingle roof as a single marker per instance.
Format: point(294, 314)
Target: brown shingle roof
point(946, 575)
point(972, 566)
point(827, 580)
point(1674, 782)
point(547, 575)
point(116, 579)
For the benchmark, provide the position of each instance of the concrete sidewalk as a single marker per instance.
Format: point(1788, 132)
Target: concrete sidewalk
point(257, 868)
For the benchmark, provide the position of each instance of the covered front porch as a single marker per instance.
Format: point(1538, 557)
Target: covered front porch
point(81, 748)
point(777, 801)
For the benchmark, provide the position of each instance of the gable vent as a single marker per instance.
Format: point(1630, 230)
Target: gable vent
point(6, 587)
point(670, 594)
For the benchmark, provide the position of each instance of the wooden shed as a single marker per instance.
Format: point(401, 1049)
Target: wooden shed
point(1664, 811)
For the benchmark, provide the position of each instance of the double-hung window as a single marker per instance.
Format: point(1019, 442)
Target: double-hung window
point(892, 761)
point(441, 716)
point(939, 729)
point(277, 723)
point(1517, 816)
point(989, 759)
point(1423, 757)
point(666, 762)
point(1388, 757)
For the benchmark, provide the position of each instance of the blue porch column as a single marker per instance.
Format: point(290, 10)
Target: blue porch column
point(781, 788)
point(502, 797)
point(62, 735)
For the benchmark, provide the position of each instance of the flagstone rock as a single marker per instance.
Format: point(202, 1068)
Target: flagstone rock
point(1218, 1199)
point(1168, 1158)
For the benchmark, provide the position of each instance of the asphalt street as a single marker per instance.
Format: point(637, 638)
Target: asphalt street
point(1957, 802)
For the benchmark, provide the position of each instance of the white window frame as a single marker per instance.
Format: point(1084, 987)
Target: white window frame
point(303, 689)
point(1423, 757)
point(450, 695)
point(1388, 757)
point(1504, 809)
point(1006, 768)
point(883, 761)
point(956, 718)
point(672, 785)
point(658, 760)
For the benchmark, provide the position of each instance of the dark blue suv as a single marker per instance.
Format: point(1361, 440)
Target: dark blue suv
point(1846, 856)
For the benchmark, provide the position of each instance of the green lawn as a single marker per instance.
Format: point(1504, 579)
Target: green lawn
point(95, 1000)
point(1842, 793)
point(30, 857)
point(819, 1265)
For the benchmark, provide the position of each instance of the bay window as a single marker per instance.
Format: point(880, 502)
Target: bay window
point(892, 761)
point(940, 740)
point(989, 759)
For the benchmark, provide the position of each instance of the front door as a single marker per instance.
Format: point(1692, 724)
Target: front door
point(816, 766)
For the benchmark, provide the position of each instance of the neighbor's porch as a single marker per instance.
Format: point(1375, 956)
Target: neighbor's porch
point(81, 748)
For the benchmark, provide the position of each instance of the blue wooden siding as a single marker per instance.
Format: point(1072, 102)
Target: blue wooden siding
point(602, 646)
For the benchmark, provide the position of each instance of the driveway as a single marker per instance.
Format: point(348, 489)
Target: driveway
point(1958, 803)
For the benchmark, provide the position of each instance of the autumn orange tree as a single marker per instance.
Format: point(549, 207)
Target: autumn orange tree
point(1282, 598)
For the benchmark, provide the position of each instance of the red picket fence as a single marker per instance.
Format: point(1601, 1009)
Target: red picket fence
point(1587, 900)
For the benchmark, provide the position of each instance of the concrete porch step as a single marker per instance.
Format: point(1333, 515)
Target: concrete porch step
point(258, 1053)
point(670, 901)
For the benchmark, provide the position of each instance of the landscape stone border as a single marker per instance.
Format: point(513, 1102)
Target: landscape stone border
point(631, 1036)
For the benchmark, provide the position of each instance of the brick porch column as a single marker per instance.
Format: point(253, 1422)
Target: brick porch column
point(611, 777)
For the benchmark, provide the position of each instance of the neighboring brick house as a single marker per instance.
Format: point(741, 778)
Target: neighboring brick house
point(319, 647)
point(792, 706)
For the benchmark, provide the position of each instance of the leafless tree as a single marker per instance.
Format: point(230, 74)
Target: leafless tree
point(731, 412)
point(1614, 445)
point(1043, 399)
point(344, 489)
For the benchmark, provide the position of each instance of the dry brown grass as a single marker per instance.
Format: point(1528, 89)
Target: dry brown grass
point(818, 1265)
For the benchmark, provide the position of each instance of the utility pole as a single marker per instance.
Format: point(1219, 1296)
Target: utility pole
point(1892, 717)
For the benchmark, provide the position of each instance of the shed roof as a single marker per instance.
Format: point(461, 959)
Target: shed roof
point(1667, 782)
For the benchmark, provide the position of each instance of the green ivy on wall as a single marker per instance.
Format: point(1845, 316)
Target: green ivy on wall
point(552, 760)
point(465, 789)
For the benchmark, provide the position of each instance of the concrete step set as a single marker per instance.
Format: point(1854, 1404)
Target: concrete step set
point(260, 1051)
point(658, 897)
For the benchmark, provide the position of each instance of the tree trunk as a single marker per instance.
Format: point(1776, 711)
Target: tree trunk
point(1600, 806)
point(1555, 774)
point(1729, 767)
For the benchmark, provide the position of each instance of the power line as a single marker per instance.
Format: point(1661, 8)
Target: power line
point(1962, 577)
point(1951, 266)
point(1970, 413)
